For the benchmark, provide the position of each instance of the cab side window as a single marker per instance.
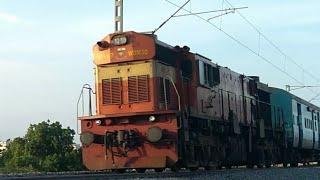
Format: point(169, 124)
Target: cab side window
point(208, 74)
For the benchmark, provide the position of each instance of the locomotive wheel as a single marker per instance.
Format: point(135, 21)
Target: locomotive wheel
point(175, 168)
point(285, 164)
point(159, 169)
point(295, 164)
point(119, 170)
point(141, 170)
point(260, 166)
point(193, 168)
point(250, 166)
point(268, 165)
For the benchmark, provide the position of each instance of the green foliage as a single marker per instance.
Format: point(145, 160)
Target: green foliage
point(46, 147)
point(1, 160)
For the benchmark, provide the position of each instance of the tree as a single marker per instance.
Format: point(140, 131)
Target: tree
point(1, 157)
point(46, 147)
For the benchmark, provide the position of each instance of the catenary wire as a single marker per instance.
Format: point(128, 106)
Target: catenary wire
point(244, 45)
point(272, 43)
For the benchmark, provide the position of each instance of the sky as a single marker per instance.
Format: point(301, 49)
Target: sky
point(46, 57)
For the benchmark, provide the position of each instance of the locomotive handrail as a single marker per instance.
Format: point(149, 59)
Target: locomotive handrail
point(179, 104)
point(165, 93)
point(175, 88)
point(84, 87)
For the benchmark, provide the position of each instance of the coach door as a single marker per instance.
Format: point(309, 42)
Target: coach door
point(318, 130)
point(300, 124)
point(315, 130)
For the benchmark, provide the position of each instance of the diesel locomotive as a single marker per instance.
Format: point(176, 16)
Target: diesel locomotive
point(160, 106)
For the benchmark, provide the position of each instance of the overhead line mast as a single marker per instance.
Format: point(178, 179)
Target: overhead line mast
point(118, 19)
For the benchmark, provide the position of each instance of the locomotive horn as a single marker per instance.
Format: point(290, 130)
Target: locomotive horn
point(103, 44)
point(186, 49)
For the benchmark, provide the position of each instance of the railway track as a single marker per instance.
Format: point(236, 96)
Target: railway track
point(303, 172)
point(106, 175)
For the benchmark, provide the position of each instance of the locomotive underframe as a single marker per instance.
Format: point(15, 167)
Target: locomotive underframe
point(218, 146)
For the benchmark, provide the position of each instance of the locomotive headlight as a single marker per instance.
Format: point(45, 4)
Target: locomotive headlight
point(98, 122)
point(86, 138)
point(154, 134)
point(152, 118)
point(119, 40)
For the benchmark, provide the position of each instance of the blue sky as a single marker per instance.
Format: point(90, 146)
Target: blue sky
point(45, 48)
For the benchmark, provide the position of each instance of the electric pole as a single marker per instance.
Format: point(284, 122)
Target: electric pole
point(118, 19)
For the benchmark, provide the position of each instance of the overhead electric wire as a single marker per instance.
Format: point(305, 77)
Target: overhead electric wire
point(240, 43)
point(274, 45)
point(206, 12)
point(180, 7)
point(287, 57)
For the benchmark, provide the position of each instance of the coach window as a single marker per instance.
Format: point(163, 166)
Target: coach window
point(294, 119)
point(305, 123)
point(310, 124)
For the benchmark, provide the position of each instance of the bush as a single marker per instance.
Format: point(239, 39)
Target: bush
point(46, 147)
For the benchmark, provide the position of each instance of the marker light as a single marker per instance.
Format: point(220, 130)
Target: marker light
point(152, 118)
point(119, 40)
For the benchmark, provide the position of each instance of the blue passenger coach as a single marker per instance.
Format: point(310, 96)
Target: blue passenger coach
point(300, 120)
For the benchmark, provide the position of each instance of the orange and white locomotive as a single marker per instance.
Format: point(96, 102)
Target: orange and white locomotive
point(160, 106)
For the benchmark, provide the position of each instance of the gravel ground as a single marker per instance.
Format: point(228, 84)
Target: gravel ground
point(299, 173)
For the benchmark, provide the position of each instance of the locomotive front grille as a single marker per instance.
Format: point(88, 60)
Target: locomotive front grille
point(125, 84)
point(138, 88)
point(111, 91)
